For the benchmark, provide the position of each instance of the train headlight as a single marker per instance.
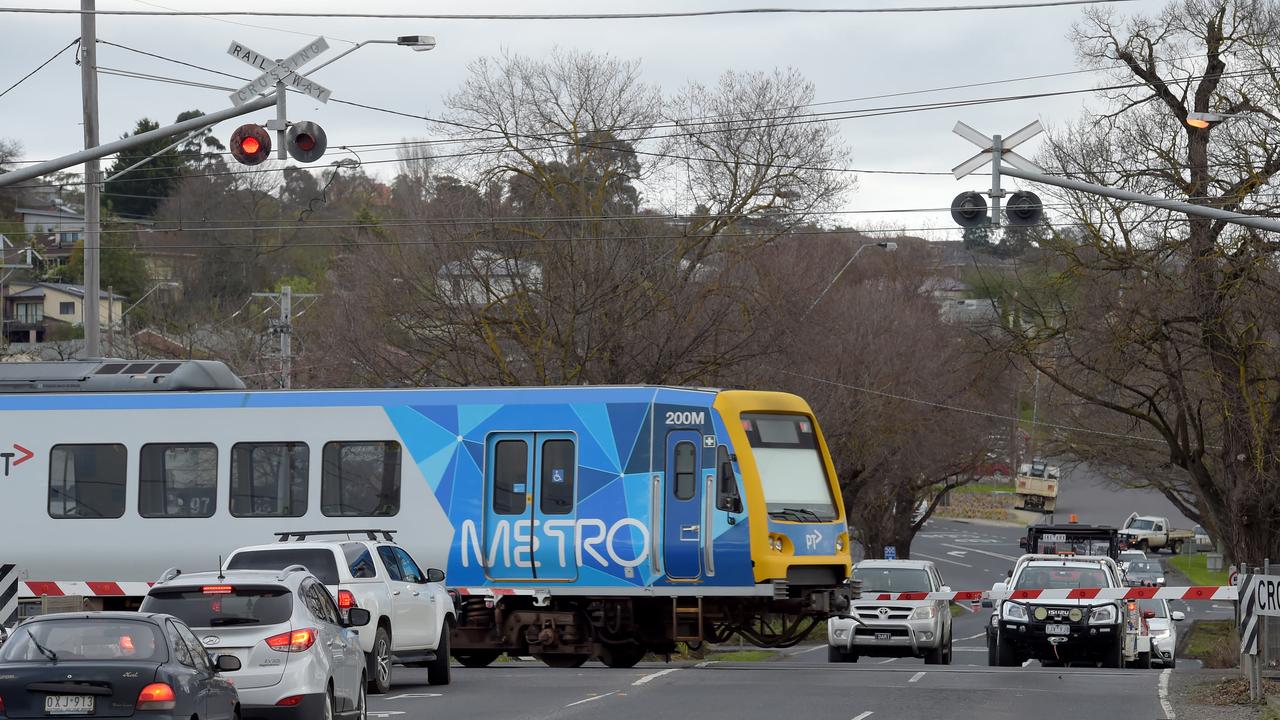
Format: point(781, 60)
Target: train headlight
point(840, 544)
point(775, 543)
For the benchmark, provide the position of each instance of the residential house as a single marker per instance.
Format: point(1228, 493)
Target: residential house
point(34, 312)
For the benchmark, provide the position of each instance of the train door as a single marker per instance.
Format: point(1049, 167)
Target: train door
point(682, 507)
point(555, 511)
point(531, 506)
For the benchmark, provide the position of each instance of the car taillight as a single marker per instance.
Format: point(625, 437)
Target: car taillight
point(217, 589)
point(290, 701)
point(156, 696)
point(292, 641)
point(346, 600)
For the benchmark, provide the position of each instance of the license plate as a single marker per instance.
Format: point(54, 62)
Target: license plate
point(883, 636)
point(1058, 629)
point(68, 704)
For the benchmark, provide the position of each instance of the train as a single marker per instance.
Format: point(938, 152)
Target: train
point(589, 519)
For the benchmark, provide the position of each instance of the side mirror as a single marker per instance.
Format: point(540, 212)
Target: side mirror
point(945, 588)
point(999, 587)
point(1178, 616)
point(435, 575)
point(1022, 543)
point(357, 617)
point(229, 663)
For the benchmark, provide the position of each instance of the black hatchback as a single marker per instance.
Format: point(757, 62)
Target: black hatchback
point(112, 664)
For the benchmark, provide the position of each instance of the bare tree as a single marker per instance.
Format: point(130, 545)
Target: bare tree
point(1161, 326)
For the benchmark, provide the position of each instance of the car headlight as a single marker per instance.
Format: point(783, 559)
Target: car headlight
point(1160, 634)
point(924, 612)
point(1160, 581)
point(1102, 615)
point(1014, 612)
point(841, 634)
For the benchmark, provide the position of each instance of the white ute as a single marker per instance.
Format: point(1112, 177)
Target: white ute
point(412, 613)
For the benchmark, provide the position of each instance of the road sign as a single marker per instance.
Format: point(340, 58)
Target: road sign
point(273, 72)
point(890, 552)
point(1267, 590)
point(988, 146)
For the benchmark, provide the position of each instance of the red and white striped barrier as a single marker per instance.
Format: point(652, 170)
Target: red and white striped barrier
point(1208, 592)
point(36, 588)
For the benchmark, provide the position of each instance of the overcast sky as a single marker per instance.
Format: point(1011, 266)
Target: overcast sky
point(846, 56)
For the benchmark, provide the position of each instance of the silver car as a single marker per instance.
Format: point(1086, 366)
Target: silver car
point(894, 628)
point(1164, 633)
point(298, 658)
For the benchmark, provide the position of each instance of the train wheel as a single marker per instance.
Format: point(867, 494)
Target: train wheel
point(477, 659)
point(621, 656)
point(564, 660)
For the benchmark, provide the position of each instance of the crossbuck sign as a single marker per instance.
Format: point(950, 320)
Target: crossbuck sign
point(274, 72)
point(993, 146)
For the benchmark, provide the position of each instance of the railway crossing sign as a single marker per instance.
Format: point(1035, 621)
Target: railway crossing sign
point(991, 146)
point(282, 71)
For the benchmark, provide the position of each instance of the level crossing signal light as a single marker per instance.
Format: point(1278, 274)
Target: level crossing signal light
point(1024, 208)
point(969, 210)
point(306, 141)
point(250, 144)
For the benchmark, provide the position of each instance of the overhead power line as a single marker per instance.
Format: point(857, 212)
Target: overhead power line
point(39, 67)
point(577, 16)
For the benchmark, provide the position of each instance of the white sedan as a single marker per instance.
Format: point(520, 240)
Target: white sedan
point(1164, 631)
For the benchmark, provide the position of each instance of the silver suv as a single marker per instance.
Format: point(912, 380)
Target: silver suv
point(891, 627)
point(299, 658)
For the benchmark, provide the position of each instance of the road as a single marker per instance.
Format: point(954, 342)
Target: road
point(792, 687)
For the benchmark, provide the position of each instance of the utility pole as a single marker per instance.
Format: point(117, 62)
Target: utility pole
point(111, 321)
point(92, 204)
point(284, 328)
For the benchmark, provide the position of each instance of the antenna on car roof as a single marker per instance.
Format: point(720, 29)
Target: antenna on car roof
point(220, 575)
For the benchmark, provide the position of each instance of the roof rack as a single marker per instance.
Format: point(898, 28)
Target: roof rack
point(300, 535)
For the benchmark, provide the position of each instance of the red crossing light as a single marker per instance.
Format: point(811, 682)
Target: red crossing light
point(250, 144)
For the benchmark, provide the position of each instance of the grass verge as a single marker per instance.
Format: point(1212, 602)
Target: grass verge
point(1194, 567)
point(745, 656)
point(984, 488)
point(1213, 642)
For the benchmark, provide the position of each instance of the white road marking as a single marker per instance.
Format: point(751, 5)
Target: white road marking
point(974, 637)
point(1028, 662)
point(916, 677)
point(1002, 556)
point(863, 716)
point(1164, 695)
point(655, 676)
point(941, 559)
point(956, 649)
point(709, 663)
point(886, 662)
point(587, 700)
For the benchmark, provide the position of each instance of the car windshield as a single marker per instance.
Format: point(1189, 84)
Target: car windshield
point(1060, 578)
point(223, 605)
point(898, 580)
point(792, 473)
point(1143, 566)
point(1132, 555)
point(319, 561)
point(1139, 524)
point(1155, 606)
point(84, 639)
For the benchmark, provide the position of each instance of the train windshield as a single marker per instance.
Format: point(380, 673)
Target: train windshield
point(792, 472)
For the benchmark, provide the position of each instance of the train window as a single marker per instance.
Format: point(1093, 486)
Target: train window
point(360, 479)
point(727, 497)
point(178, 480)
point(558, 466)
point(686, 471)
point(269, 479)
point(510, 477)
point(87, 481)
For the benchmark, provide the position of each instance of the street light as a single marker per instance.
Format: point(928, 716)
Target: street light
point(1204, 120)
point(886, 246)
point(419, 43)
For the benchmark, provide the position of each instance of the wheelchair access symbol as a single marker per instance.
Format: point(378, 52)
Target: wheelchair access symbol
point(9, 457)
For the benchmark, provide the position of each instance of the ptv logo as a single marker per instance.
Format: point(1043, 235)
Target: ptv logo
point(22, 456)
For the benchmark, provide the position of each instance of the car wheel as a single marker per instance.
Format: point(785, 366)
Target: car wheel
point(946, 658)
point(362, 700)
point(1175, 548)
point(438, 669)
point(328, 704)
point(1142, 545)
point(379, 663)
point(1171, 663)
point(1006, 655)
point(1143, 662)
point(933, 656)
point(477, 659)
point(1115, 656)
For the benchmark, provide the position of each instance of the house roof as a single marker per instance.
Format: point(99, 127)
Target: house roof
point(76, 290)
point(54, 211)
